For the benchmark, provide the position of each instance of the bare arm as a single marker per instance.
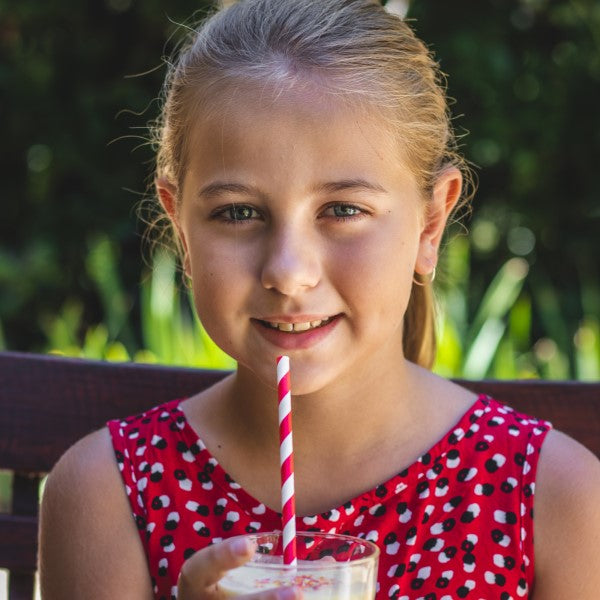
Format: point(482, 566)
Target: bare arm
point(89, 545)
point(567, 521)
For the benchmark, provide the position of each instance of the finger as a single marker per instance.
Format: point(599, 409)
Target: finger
point(204, 568)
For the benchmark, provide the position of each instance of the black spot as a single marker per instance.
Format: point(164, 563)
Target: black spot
point(195, 449)
point(462, 474)
point(450, 551)
point(500, 579)
point(442, 483)
point(487, 489)
point(453, 454)
point(326, 552)
point(467, 517)
point(203, 477)
point(509, 562)
point(166, 540)
point(179, 474)
point(119, 455)
point(342, 548)
point(437, 468)
point(482, 446)
point(161, 444)
point(430, 596)
point(455, 501)
point(417, 583)
point(400, 569)
point(426, 458)
point(188, 552)
point(146, 468)
point(203, 532)
point(429, 544)
point(390, 538)
point(519, 459)
point(493, 423)
point(250, 529)
point(505, 596)
point(448, 524)
point(380, 511)
point(140, 522)
point(424, 485)
point(403, 473)
point(467, 546)
point(209, 467)
point(497, 535)
point(442, 582)
point(491, 465)
point(182, 447)
point(426, 517)
point(401, 507)
point(527, 491)
point(140, 441)
point(157, 476)
point(507, 487)
point(171, 525)
point(162, 571)
point(452, 438)
point(462, 591)
point(156, 503)
point(469, 559)
point(227, 524)
point(511, 518)
point(381, 491)
point(146, 420)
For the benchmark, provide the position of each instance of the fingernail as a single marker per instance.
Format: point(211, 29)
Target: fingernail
point(287, 594)
point(240, 546)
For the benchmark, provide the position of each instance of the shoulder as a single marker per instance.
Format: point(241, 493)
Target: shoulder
point(87, 533)
point(567, 520)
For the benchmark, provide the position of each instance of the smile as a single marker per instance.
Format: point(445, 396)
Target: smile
point(297, 327)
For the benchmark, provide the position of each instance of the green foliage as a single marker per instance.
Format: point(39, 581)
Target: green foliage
point(170, 330)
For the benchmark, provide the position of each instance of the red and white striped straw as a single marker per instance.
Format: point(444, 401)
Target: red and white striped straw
point(286, 461)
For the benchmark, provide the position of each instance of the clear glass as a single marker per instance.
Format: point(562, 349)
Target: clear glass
point(329, 566)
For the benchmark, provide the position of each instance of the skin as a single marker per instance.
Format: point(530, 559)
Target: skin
point(291, 255)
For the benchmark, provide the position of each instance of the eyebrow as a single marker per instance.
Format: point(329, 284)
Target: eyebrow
point(220, 187)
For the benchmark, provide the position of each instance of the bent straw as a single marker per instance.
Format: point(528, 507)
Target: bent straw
point(286, 461)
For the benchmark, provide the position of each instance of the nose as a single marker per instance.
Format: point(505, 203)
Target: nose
point(292, 262)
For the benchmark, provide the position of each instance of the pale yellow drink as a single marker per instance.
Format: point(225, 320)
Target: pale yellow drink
point(329, 566)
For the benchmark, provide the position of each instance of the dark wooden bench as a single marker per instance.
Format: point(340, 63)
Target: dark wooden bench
point(47, 403)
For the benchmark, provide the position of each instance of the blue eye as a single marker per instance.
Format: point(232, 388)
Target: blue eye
point(240, 212)
point(345, 210)
point(235, 213)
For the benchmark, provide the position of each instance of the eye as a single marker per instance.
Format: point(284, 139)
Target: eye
point(345, 212)
point(236, 213)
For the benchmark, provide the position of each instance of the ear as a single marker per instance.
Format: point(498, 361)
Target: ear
point(446, 193)
point(167, 194)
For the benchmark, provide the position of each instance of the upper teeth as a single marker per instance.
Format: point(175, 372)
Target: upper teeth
point(297, 326)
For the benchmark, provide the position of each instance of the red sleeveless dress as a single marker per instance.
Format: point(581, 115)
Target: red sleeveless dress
point(458, 523)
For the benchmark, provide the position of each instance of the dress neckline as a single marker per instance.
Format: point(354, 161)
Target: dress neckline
point(393, 487)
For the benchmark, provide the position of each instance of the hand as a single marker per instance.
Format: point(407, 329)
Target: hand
point(201, 572)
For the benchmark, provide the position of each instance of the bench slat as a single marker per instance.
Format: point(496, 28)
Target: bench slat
point(16, 548)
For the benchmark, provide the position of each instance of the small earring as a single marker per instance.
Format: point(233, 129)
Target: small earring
point(423, 283)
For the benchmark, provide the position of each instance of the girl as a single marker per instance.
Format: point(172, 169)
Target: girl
point(307, 165)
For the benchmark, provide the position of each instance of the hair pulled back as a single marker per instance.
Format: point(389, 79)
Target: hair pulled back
point(353, 49)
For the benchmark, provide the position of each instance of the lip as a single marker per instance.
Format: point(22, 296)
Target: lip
point(295, 341)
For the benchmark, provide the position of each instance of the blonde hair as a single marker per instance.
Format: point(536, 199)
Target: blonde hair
point(355, 50)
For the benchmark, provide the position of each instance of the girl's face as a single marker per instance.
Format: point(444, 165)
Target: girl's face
point(297, 212)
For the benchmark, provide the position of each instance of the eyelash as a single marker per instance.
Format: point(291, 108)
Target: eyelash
point(221, 214)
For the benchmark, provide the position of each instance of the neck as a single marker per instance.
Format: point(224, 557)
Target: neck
point(369, 405)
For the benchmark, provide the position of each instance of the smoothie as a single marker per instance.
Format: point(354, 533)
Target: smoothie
point(323, 570)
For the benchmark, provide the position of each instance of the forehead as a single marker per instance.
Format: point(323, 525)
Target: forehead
point(298, 128)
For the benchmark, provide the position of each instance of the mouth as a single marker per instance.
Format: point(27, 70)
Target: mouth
point(297, 327)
